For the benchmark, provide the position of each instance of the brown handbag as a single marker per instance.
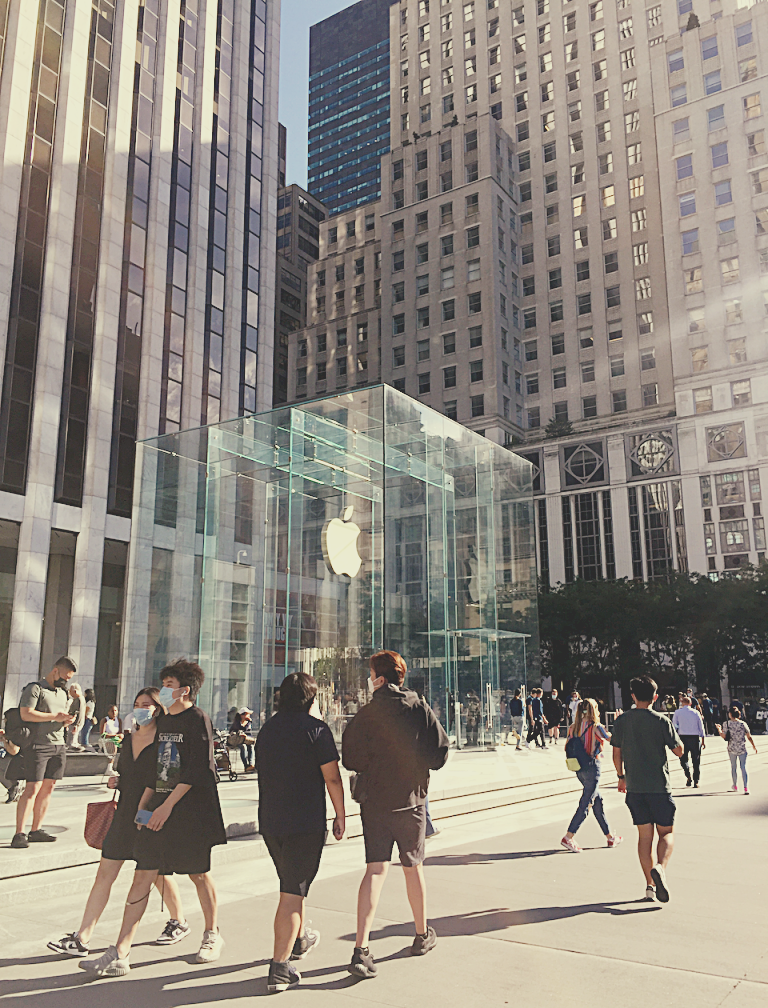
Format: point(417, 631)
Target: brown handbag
point(98, 819)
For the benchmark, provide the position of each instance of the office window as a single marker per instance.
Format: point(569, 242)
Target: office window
point(748, 69)
point(449, 343)
point(680, 130)
point(733, 312)
point(699, 359)
point(582, 270)
point(449, 377)
point(647, 359)
point(687, 203)
point(398, 292)
point(607, 196)
point(726, 231)
point(712, 83)
point(581, 238)
point(719, 154)
point(650, 394)
point(451, 410)
point(555, 278)
point(696, 321)
point(756, 143)
point(629, 89)
point(422, 254)
point(723, 192)
point(556, 311)
point(422, 285)
point(625, 29)
point(602, 102)
point(398, 261)
point(598, 40)
point(643, 288)
point(645, 323)
point(759, 182)
point(588, 371)
point(684, 166)
point(744, 33)
point(709, 47)
point(675, 61)
point(545, 62)
point(477, 405)
point(558, 378)
point(631, 122)
point(692, 280)
point(640, 253)
point(741, 393)
point(341, 337)
point(584, 304)
point(574, 111)
point(577, 173)
point(613, 296)
point(474, 303)
point(398, 325)
point(617, 366)
point(572, 80)
point(737, 350)
point(605, 163)
point(550, 183)
point(553, 214)
point(761, 221)
point(548, 122)
point(422, 317)
point(729, 269)
point(609, 228)
point(473, 237)
point(398, 356)
point(560, 410)
point(475, 371)
point(424, 383)
point(611, 262)
point(615, 333)
point(619, 401)
point(690, 241)
point(716, 117)
point(636, 186)
point(702, 400)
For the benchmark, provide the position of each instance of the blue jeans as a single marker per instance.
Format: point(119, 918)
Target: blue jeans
point(85, 734)
point(246, 755)
point(742, 759)
point(590, 780)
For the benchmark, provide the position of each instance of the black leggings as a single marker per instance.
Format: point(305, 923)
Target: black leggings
point(692, 745)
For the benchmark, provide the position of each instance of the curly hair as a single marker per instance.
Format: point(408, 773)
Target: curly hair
point(188, 673)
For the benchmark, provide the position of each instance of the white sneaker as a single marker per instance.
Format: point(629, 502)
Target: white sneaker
point(650, 894)
point(107, 965)
point(211, 947)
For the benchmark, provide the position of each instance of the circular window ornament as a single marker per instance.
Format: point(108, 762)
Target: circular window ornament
point(583, 463)
point(652, 453)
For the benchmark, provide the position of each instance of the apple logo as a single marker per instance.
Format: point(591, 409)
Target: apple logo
point(340, 544)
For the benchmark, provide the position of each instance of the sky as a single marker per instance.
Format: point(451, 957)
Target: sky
point(296, 18)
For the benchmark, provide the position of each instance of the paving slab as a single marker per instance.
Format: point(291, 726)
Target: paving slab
point(519, 919)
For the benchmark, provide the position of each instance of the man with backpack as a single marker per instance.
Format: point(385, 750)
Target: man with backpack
point(392, 743)
point(44, 710)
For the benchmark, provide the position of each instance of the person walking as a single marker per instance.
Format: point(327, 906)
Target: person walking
point(536, 719)
point(690, 727)
point(77, 710)
point(517, 717)
point(89, 721)
point(736, 732)
point(708, 713)
point(296, 761)
point(136, 763)
point(573, 705)
point(185, 822)
point(474, 713)
point(593, 736)
point(392, 743)
point(44, 706)
point(640, 740)
point(554, 712)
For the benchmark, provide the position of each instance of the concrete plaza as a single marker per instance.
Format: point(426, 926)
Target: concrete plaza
point(519, 919)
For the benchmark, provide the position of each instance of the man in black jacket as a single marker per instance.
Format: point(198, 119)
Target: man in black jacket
point(393, 742)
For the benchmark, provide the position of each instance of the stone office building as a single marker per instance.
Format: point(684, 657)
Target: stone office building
point(621, 304)
point(138, 193)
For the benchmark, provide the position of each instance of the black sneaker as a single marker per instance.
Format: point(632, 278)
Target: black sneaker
point(281, 977)
point(362, 964)
point(424, 943)
point(20, 840)
point(305, 943)
point(173, 932)
point(659, 877)
point(70, 945)
point(15, 791)
point(40, 836)
point(689, 783)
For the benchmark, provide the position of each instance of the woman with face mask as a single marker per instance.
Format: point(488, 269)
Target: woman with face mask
point(136, 762)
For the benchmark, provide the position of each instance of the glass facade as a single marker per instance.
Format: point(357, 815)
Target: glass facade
point(354, 523)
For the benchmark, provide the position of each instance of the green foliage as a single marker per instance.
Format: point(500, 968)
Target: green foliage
point(558, 428)
point(684, 628)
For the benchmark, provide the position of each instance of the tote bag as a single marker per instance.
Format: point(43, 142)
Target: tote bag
point(98, 819)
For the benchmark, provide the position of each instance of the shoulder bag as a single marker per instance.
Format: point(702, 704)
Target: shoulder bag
point(98, 819)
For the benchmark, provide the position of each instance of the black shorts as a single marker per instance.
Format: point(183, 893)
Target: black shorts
point(44, 762)
point(296, 858)
point(651, 808)
point(153, 852)
point(383, 829)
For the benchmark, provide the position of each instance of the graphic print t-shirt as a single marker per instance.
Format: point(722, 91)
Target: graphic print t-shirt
point(184, 755)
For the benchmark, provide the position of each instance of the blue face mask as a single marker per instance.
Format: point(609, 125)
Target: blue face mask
point(142, 716)
point(166, 696)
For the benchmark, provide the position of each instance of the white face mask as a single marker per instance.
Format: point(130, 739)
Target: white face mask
point(142, 716)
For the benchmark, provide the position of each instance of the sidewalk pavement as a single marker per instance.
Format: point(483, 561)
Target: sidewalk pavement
point(518, 918)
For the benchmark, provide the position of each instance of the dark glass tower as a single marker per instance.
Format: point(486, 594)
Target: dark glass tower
point(349, 104)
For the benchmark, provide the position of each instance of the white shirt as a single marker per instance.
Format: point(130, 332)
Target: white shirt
point(688, 721)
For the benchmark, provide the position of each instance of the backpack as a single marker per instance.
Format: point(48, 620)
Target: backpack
point(576, 755)
point(16, 730)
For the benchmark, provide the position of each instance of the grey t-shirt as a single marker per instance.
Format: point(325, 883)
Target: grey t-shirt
point(52, 700)
point(644, 738)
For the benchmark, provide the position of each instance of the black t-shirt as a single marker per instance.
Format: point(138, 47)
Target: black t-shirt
point(290, 749)
point(185, 756)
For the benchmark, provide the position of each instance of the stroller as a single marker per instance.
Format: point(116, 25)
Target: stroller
point(221, 755)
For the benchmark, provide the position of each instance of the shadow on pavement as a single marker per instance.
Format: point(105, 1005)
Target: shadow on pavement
point(446, 860)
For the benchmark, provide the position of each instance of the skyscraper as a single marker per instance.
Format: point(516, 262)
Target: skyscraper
point(610, 321)
point(348, 104)
point(136, 300)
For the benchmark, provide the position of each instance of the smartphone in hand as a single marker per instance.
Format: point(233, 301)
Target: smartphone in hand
point(142, 817)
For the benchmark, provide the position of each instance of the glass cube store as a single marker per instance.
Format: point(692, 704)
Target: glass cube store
point(309, 537)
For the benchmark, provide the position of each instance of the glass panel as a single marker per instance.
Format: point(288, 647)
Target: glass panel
point(332, 530)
